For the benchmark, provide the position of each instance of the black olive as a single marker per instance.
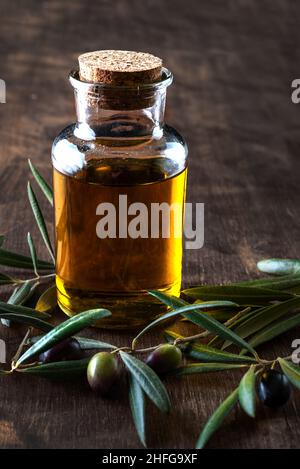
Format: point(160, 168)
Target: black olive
point(273, 388)
point(102, 372)
point(165, 358)
point(68, 349)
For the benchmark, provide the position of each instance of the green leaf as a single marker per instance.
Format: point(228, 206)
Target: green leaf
point(209, 354)
point(247, 396)
point(279, 266)
point(148, 380)
point(202, 320)
point(2, 238)
point(14, 308)
point(85, 343)
point(265, 316)
point(6, 279)
point(64, 330)
point(196, 368)
point(275, 330)
point(20, 294)
point(32, 252)
point(93, 344)
point(137, 406)
point(12, 259)
point(284, 282)
point(220, 313)
point(218, 328)
point(46, 189)
point(243, 296)
point(48, 300)
point(182, 310)
point(291, 371)
point(58, 370)
point(40, 220)
point(168, 300)
point(27, 319)
point(217, 418)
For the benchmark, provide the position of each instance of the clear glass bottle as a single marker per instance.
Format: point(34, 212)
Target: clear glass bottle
point(119, 145)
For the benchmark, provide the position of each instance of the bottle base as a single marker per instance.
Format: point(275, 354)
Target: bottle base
point(129, 310)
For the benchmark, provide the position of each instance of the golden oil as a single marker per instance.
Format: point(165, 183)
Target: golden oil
point(115, 273)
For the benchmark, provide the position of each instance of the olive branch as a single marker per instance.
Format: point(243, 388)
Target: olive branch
point(237, 316)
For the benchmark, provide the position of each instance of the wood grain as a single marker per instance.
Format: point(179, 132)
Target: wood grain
point(233, 64)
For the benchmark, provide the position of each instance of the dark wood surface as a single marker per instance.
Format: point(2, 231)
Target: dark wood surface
point(233, 64)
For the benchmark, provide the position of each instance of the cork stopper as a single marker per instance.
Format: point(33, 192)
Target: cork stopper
point(119, 67)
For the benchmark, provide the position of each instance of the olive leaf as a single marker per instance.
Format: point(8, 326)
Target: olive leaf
point(40, 220)
point(148, 380)
point(6, 279)
point(32, 252)
point(25, 318)
point(10, 308)
point(279, 266)
point(291, 371)
point(247, 396)
point(200, 319)
point(64, 330)
point(241, 295)
point(284, 282)
point(46, 189)
point(85, 343)
point(220, 314)
point(48, 300)
point(217, 418)
point(137, 406)
point(12, 259)
point(218, 328)
point(182, 310)
point(58, 370)
point(93, 344)
point(168, 300)
point(270, 332)
point(209, 354)
point(197, 368)
point(263, 317)
point(19, 296)
point(240, 317)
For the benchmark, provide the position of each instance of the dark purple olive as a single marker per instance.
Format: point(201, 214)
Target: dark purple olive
point(68, 349)
point(273, 388)
point(102, 372)
point(165, 358)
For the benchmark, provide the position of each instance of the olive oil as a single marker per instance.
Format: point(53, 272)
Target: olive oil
point(115, 273)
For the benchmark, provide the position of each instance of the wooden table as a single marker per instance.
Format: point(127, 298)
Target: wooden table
point(233, 64)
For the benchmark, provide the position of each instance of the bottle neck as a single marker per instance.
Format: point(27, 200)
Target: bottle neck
point(112, 112)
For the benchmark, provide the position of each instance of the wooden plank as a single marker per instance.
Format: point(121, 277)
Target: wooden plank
point(233, 65)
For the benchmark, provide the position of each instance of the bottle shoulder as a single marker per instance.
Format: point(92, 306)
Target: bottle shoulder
point(72, 154)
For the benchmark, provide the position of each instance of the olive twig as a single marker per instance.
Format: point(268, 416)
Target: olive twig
point(289, 358)
point(116, 350)
point(38, 278)
point(21, 346)
point(148, 349)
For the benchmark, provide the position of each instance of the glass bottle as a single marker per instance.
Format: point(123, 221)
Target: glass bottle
point(119, 146)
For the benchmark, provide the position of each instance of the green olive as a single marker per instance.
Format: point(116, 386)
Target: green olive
point(102, 372)
point(165, 358)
